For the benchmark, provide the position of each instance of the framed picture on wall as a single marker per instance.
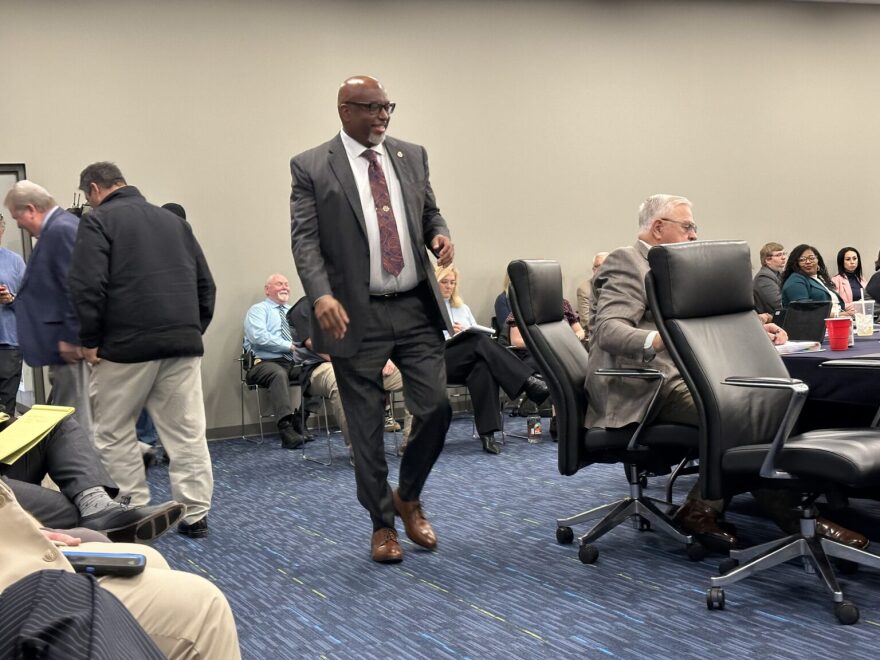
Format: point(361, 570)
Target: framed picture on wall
point(33, 387)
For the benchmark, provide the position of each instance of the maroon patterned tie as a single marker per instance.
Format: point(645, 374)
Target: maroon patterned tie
point(392, 254)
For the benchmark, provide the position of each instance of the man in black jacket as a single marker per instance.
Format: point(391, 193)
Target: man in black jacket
point(144, 296)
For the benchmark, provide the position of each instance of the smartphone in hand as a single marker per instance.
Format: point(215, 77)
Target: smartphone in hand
point(106, 563)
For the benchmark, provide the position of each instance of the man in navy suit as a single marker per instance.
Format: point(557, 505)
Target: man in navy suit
point(363, 216)
point(48, 328)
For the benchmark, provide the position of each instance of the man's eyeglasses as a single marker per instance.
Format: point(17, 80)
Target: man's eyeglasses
point(687, 227)
point(373, 108)
point(779, 254)
point(809, 259)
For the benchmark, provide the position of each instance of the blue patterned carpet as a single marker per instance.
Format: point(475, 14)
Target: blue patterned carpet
point(289, 545)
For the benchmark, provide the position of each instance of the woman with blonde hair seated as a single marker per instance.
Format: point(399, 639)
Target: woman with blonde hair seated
point(483, 365)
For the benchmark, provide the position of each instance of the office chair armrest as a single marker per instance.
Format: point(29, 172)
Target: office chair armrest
point(859, 363)
point(643, 374)
point(799, 393)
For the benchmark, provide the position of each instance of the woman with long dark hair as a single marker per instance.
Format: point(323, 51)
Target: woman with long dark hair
point(849, 281)
point(806, 278)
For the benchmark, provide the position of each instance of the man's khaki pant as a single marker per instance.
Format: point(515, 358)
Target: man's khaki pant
point(323, 383)
point(171, 391)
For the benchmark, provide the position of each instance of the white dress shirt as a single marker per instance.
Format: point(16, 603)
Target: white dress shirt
point(380, 280)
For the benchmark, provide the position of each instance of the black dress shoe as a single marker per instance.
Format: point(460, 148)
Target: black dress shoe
point(196, 530)
point(536, 390)
point(290, 439)
point(490, 446)
point(698, 518)
point(124, 524)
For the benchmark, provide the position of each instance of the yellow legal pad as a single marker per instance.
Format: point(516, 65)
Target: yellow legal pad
point(23, 435)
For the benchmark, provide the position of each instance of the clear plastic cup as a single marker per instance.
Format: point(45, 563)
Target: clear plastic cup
point(864, 317)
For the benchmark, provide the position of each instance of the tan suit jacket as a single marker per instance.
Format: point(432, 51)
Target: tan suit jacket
point(619, 327)
point(23, 548)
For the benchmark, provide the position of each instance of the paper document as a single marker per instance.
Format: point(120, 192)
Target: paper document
point(799, 347)
point(23, 435)
point(474, 329)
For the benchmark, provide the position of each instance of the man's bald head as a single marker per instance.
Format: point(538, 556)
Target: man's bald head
point(351, 87)
point(364, 109)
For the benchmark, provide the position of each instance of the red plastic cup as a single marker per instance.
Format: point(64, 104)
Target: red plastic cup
point(838, 332)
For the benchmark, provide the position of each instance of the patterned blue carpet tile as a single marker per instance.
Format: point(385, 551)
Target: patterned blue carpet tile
point(289, 545)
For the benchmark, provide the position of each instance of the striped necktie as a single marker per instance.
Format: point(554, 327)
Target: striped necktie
point(285, 332)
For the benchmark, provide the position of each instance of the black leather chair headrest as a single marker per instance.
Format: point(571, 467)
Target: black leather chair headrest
point(692, 288)
point(544, 287)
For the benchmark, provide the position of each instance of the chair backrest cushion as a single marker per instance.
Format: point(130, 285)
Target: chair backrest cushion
point(701, 296)
point(536, 301)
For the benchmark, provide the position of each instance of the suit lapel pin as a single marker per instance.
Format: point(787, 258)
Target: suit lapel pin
point(400, 154)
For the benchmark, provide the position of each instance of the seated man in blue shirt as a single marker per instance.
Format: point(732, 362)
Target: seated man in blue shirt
point(267, 337)
point(267, 334)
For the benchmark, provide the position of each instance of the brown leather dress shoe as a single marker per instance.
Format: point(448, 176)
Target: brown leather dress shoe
point(384, 547)
point(701, 520)
point(834, 532)
point(417, 527)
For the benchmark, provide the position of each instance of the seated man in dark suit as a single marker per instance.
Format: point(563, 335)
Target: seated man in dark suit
point(68, 457)
point(768, 281)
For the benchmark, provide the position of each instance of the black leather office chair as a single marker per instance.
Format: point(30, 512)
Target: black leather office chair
point(701, 296)
point(536, 299)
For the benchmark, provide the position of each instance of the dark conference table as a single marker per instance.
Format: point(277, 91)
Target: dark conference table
point(838, 397)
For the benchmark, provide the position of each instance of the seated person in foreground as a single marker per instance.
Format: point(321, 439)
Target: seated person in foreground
point(806, 278)
point(198, 625)
point(849, 282)
point(69, 458)
point(483, 365)
point(318, 378)
point(584, 297)
point(625, 337)
point(767, 285)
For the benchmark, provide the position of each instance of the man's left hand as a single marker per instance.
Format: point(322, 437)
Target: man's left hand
point(90, 355)
point(70, 353)
point(443, 249)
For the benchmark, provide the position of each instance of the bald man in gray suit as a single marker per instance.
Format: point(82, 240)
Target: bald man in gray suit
point(362, 218)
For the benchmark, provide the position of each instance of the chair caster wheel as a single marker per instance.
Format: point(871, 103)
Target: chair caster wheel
point(846, 612)
point(564, 535)
point(696, 551)
point(588, 553)
point(727, 565)
point(715, 598)
point(644, 525)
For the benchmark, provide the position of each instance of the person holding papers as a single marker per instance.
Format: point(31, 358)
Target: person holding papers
point(482, 364)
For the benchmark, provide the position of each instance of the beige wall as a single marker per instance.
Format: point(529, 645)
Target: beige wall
point(546, 122)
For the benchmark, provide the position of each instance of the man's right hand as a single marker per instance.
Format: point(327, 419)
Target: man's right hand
point(331, 316)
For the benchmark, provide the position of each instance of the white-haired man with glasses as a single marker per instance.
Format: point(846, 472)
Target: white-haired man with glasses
point(624, 336)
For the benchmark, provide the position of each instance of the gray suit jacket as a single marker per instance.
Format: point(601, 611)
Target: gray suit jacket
point(767, 291)
point(329, 237)
point(619, 327)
